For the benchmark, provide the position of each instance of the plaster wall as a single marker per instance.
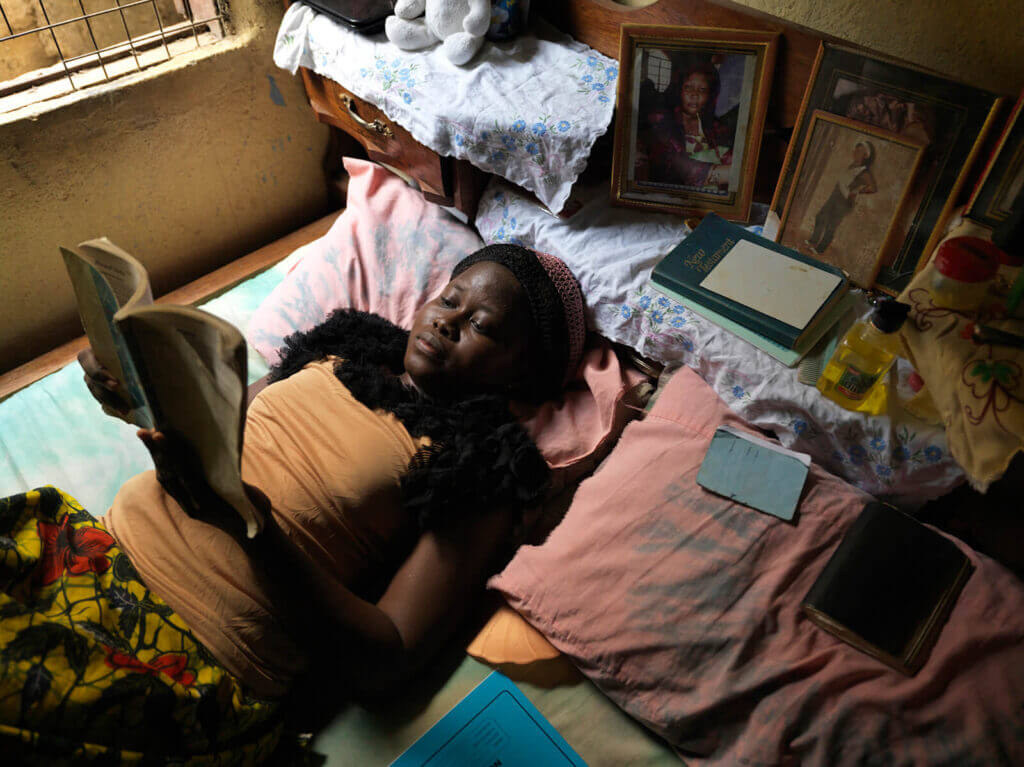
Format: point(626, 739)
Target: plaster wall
point(187, 166)
point(979, 42)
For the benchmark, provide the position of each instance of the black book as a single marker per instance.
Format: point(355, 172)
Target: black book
point(889, 587)
point(364, 16)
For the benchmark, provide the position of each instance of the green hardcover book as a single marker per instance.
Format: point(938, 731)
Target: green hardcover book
point(767, 288)
point(789, 357)
point(889, 587)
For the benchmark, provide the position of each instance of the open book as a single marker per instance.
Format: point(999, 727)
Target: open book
point(183, 369)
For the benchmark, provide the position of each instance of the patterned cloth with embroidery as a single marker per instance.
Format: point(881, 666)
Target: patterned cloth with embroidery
point(977, 388)
point(528, 110)
point(95, 668)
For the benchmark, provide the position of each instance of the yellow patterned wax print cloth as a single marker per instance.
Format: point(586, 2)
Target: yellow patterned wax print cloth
point(978, 389)
point(94, 667)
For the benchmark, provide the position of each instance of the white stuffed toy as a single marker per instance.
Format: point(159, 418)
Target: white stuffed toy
point(461, 24)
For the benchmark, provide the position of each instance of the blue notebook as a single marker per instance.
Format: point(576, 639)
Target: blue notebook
point(755, 472)
point(494, 725)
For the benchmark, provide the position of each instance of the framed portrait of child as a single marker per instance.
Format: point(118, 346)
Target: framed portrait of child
point(690, 116)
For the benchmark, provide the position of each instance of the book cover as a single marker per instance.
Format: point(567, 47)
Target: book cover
point(494, 725)
point(763, 286)
point(755, 472)
point(889, 587)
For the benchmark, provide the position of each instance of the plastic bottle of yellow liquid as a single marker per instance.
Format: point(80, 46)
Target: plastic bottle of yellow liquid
point(855, 375)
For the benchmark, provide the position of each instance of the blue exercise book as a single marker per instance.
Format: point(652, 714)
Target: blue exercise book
point(494, 725)
point(754, 472)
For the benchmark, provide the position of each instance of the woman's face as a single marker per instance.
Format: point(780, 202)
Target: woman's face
point(696, 91)
point(472, 338)
point(860, 154)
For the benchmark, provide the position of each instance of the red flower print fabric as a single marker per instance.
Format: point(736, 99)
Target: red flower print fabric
point(169, 664)
point(77, 550)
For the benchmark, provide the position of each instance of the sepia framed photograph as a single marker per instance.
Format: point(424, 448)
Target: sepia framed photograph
point(1002, 180)
point(850, 183)
point(690, 115)
point(952, 119)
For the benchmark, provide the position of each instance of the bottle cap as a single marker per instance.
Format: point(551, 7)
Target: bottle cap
point(889, 315)
point(968, 259)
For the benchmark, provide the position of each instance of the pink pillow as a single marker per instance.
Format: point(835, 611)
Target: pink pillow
point(391, 251)
point(388, 252)
point(684, 608)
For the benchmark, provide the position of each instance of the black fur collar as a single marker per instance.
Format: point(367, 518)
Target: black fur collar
point(481, 456)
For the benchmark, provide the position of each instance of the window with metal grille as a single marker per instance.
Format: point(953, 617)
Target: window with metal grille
point(51, 47)
point(659, 69)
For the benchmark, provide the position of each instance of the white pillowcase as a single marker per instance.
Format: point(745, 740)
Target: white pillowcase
point(610, 250)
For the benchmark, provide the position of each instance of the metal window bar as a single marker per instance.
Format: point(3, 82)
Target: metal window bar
point(101, 55)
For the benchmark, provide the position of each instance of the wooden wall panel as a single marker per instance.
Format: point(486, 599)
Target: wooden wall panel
point(597, 22)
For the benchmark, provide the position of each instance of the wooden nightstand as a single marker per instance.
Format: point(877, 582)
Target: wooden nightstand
point(444, 180)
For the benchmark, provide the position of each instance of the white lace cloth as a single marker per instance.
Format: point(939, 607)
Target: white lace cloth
point(612, 252)
point(528, 110)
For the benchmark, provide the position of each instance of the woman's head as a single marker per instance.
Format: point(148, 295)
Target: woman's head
point(501, 325)
point(697, 90)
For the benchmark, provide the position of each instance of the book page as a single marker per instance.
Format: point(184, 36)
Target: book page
point(193, 365)
point(125, 275)
point(771, 283)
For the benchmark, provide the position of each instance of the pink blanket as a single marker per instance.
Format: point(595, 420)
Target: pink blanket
point(684, 607)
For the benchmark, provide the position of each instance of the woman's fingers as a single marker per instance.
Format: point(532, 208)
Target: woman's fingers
point(95, 371)
point(111, 400)
point(104, 388)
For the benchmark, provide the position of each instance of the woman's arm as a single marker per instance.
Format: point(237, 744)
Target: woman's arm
point(256, 387)
point(374, 647)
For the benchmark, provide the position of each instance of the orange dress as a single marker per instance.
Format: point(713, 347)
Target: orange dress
point(331, 468)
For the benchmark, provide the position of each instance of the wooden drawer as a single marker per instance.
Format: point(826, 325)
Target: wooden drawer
point(441, 179)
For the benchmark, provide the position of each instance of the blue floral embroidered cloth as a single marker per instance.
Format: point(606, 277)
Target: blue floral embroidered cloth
point(528, 110)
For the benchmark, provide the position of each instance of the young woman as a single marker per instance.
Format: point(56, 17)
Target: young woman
point(392, 477)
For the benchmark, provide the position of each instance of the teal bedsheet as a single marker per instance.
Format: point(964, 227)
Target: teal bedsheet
point(54, 433)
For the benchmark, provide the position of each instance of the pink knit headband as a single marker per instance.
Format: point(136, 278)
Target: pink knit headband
point(572, 304)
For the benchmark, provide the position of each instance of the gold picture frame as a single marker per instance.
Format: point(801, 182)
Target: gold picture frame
point(956, 122)
point(850, 183)
point(1002, 180)
point(690, 118)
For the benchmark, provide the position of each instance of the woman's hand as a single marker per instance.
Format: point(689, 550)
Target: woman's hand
point(180, 473)
point(104, 388)
point(177, 469)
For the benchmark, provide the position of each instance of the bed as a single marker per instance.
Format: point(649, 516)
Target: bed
point(674, 628)
point(35, 448)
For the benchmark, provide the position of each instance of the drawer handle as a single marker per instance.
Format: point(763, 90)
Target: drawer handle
point(377, 126)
